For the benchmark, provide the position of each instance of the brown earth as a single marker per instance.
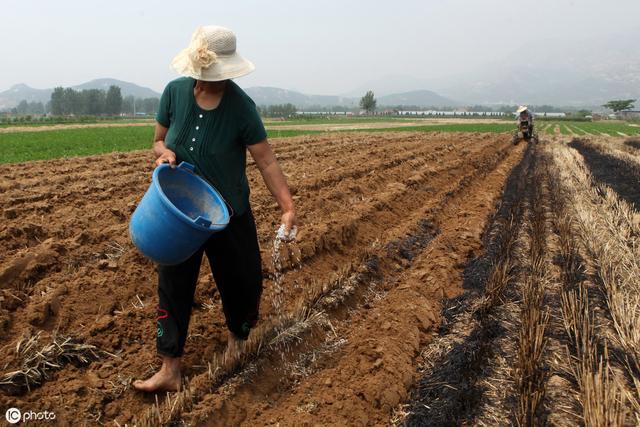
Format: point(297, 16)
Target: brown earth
point(382, 124)
point(388, 222)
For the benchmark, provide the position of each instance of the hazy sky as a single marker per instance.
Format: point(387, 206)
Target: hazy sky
point(321, 47)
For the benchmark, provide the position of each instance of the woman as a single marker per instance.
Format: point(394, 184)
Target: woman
point(205, 119)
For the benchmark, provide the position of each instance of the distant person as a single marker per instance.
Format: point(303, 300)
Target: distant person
point(525, 115)
point(204, 118)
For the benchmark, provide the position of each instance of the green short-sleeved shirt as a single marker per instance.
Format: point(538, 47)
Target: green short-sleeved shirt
point(214, 141)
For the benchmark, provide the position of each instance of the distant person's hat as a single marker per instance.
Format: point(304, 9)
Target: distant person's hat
point(211, 56)
point(522, 108)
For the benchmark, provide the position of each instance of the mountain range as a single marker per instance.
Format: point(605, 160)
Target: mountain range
point(261, 96)
point(579, 72)
point(572, 73)
point(273, 95)
point(16, 93)
point(576, 73)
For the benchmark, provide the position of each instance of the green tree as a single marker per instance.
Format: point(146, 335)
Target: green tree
point(93, 102)
point(35, 108)
point(113, 101)
point(127, 104)
point(290, 110)
point(147, 105)
point(23, 107)
point(71, 102)
point(57, 101)
point(280, 110)
point(620, 104)
point(368, 102)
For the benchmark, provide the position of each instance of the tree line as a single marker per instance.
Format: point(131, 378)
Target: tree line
point(278, 110)
point(98, 102)
point(31, 108)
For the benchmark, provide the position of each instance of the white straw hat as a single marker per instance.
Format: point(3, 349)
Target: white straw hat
point(522, 108)
point(211, 56)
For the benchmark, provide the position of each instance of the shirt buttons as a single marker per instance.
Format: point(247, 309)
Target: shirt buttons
point(190, 148)
point(200, 116)
point(193, 139)
point(197, 127)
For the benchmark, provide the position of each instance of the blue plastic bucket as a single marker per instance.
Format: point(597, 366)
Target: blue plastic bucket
point(177, 214)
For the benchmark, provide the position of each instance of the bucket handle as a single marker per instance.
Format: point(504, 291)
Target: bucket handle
point(207, 223)
point(203, 222)
point(188, 167)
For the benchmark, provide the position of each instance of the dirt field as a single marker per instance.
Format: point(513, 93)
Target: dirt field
point(320, 127)
point(435, 286)
point(384, 124)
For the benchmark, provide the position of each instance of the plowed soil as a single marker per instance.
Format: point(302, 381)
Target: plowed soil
point(387, 224)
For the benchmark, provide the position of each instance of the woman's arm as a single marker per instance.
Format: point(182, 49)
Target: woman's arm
point(160, 150)
point(275, 181)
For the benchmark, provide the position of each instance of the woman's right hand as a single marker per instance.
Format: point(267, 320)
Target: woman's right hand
point(167, 156)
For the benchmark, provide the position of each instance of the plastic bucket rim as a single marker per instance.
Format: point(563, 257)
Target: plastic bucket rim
point(179, 213)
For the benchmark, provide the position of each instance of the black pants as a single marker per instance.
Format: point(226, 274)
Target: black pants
point(234, 257)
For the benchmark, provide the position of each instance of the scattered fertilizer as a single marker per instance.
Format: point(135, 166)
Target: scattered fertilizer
point(284, 248)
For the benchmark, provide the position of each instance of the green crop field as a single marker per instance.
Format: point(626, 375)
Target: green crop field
point(591, 128)
point(25, 146)
point(54, 144)
point(610, 128)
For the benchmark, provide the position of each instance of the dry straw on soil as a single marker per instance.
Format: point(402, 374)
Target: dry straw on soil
point(530, 377)
point(38, 360)
point(616, 149)
point(571, 269)
point(607, 233)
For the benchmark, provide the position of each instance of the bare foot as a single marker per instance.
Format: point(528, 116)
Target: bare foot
point(166, 379)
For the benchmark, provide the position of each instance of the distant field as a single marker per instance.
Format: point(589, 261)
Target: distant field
point(74, 122)
point(267, 121)
point(27, 146)
point(590, 128)
point(336, 120)
point(341, 120)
